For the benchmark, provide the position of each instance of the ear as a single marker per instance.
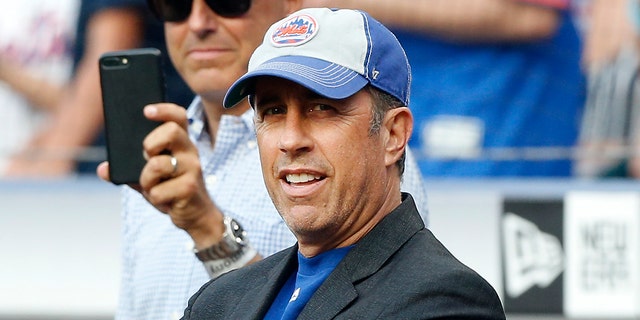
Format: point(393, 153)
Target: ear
point(398, 124)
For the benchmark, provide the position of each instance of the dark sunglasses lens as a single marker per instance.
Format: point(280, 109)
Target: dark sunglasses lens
point(171, 10)
point(229, 8)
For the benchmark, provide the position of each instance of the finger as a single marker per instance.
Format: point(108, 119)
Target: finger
point(159, 169)
point(174, 165)
point(162, 207)
point(166, 193)
point(165, 112)
point(168, 138)
point(103, 171)
point(176, 196)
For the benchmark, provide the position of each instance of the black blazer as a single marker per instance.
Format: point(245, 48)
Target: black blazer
point(399, 270)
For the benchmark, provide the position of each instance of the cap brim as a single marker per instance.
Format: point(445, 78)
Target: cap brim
point(324, 78)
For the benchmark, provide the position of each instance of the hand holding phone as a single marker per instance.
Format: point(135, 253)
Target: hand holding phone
point(130, 80)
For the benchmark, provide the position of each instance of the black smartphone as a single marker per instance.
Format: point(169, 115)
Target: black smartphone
point(130, 80)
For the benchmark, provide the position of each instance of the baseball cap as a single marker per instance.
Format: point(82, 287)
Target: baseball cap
point(333, 52)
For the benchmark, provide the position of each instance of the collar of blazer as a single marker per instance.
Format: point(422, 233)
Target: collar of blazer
point(365, 259)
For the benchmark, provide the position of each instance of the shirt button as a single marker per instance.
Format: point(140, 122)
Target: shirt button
point(175, 315)
point(251, 144)
point(197, 126)
point(188, 246)
point(211, 180)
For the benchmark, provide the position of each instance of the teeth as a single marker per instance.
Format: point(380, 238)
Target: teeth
point(301, 178)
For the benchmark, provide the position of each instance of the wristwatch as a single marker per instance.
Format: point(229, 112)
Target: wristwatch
point(233, 241)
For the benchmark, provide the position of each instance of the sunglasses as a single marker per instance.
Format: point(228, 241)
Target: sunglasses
point(179, 10)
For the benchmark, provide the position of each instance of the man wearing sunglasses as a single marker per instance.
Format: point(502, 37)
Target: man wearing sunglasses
point(209, 183)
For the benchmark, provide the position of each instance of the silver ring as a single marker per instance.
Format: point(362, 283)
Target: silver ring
point(174, 165)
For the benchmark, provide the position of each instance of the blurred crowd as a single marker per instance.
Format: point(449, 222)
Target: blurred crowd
point(501, 88)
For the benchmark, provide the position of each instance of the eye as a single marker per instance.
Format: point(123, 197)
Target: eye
point(273, 110)
point(320, 107)
point(265, 111)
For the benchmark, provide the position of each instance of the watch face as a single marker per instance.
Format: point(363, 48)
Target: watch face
point(237, 231)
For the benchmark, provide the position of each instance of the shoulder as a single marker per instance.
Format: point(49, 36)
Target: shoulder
point(426, 250)
point(422, 278)
point(443, 277)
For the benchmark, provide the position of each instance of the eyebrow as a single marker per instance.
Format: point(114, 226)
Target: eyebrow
point(311, 95)
point(268, 98)
point(264, 100)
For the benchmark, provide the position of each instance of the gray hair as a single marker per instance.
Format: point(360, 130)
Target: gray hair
point(383, 102)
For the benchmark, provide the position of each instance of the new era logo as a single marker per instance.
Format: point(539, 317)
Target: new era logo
point(532, 257)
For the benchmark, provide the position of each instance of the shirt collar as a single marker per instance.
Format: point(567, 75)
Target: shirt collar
point(196, 118)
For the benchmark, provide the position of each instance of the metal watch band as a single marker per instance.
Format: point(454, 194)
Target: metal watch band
point(216, 268)
point(233, 240)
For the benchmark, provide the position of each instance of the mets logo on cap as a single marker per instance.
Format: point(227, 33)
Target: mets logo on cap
point(294, 31)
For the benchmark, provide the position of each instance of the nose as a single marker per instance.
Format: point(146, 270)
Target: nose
point(295, 137)
point(201, 19)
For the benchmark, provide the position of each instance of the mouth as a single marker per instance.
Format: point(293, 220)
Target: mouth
point(302, 178)
point(300, 183)
point(207, 53)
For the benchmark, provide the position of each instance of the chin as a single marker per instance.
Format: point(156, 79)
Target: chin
point(300, 217)
point(212, 77)
point(209, 87)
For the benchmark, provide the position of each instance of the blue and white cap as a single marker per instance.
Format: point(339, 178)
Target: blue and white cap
point(332, 52)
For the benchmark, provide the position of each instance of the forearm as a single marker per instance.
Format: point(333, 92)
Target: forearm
point(40, 92)
point(610, 29)
point(79, 118)
point(459, 20)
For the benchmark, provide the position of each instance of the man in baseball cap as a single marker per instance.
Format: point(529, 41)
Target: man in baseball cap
point(335, 59)
point(330, 94)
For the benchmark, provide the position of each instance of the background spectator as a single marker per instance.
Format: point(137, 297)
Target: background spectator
point(497, 88)
point(35, 61)
point(609, 137)
point(103, 25)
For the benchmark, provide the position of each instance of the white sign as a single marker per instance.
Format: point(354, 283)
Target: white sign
point(602, 250)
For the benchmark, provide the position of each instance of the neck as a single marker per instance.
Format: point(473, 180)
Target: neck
point(214, 110)
point(380, 205)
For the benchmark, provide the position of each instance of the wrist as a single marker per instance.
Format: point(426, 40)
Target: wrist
point(208, 230)
point(231, 252)
point(232, 241)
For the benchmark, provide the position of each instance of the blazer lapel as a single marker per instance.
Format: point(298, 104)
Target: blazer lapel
point(367, 257)
point(256, 304)
point(332, 296)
